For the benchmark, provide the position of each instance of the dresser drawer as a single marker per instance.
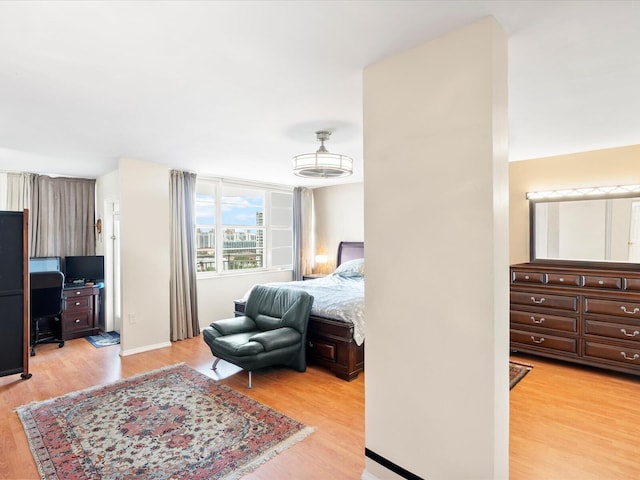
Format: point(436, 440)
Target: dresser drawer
point(568, 280)
point(627, 356)
point(632, 284)
point(528, 277)
point(619, 308)
point(614, 283)
point(562, 302)
point(620, 331)
point(550, 342)
point(79, 320)
point(567, 324)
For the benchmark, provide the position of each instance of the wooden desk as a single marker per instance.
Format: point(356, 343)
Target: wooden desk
point(80, 312)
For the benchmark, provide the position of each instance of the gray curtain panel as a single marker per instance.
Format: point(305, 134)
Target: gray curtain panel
point(182, 285)
point(62, 216)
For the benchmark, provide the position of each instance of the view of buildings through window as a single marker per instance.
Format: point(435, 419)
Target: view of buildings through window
point(233, 218)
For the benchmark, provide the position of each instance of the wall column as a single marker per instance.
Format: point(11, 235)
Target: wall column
point(436, 231)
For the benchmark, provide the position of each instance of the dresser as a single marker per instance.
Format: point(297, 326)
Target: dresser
point(81, 308)
point(589, 316)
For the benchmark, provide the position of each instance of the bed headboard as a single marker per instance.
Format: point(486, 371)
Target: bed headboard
point(349, 251)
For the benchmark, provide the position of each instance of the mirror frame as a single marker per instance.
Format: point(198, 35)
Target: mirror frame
point(574, 263)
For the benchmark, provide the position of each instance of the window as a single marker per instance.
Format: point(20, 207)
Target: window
point(242, 227)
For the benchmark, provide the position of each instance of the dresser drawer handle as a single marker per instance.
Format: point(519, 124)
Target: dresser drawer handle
point(78, 293)
point(526, 277)
point(600, 282)
point(636, 332)
point(561, 280)
point(77, 320)
point(534, 320)
point(533, 299)
point(633, 359)
point(633, 312)
point(78, 303)
point(540, 340)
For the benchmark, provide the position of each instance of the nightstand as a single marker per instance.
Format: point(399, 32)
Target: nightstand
point(313, 276)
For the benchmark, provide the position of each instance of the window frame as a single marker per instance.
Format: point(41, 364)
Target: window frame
point(218, 186)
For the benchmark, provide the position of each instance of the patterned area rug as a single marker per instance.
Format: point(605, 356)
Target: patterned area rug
point(105, 339)
point(517, 371)
point(172, 423)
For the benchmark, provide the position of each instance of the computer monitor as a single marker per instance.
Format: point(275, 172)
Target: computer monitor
point(44, 264)
point(87, 268)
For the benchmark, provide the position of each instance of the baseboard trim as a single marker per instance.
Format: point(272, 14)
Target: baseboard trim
point(389, 465)
point(146, 348)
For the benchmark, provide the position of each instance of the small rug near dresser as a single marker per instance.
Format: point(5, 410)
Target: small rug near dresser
point(517, 371)
point(172, 423)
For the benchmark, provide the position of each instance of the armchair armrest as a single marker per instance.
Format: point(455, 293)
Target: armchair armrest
point(277, 338)
point(229, 326)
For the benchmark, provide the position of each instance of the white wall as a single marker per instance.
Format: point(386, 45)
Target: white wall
point(436, 212)
point(144, 245)
point(339, 214)
point(217, 293)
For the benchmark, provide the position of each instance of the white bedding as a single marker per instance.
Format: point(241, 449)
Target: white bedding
point(335, 297)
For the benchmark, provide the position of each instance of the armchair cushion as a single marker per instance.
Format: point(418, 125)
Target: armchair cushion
point(230, 326)
point(278, 338)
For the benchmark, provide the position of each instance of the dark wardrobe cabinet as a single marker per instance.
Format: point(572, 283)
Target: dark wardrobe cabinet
point(14, 294)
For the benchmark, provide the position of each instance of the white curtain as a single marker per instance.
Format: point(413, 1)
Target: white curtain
point(182, 284)
point(19, 189)
point(302, 232)
point(3, 191)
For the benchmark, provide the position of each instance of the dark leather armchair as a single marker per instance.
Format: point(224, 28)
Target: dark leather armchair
point(46, 307)
point(273, 331)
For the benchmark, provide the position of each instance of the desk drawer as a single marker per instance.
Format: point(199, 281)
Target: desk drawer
point(78, 303)
point(544, 300)
point(79, 320)
point(543, 341)
point(567, 324)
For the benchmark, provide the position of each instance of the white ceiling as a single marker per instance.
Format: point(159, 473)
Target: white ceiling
point(236, 88)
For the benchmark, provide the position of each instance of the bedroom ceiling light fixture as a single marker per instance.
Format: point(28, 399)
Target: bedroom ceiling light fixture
point(322, 164)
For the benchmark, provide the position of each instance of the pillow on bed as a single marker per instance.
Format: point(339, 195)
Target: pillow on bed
point(352, 268)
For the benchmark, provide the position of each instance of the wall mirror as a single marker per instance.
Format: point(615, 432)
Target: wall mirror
point(598, 225)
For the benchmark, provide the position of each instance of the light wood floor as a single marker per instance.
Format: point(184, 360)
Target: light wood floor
point(566, 422)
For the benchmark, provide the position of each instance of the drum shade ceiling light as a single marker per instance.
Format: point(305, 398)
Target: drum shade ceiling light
point(322, 164)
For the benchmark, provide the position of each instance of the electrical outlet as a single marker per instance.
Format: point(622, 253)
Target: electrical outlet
point(132, 319)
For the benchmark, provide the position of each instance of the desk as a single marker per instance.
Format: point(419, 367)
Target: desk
point(80, 312)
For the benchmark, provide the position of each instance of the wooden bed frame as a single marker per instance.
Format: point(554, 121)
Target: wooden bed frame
point(330, 342)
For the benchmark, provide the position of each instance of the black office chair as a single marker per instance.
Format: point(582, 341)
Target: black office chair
point(46, 308)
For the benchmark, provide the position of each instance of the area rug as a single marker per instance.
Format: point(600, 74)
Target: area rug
point(172, 423)
point(105, 339)
point(517, 371)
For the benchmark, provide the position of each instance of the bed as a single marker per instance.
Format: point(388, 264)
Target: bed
point(335, 336)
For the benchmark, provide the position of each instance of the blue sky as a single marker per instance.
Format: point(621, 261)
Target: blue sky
point(238, 210)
